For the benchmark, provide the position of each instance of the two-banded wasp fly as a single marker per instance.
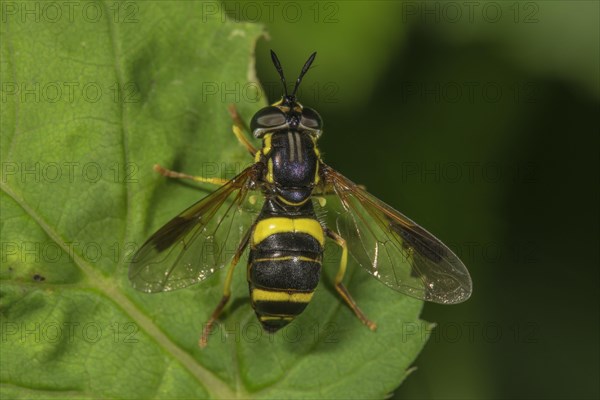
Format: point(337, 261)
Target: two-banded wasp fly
point(287, 239)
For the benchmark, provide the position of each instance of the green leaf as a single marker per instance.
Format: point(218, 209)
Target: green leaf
point(90, 101)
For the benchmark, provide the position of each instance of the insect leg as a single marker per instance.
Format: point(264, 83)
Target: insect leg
point(180, 175)
point(339, 286)
point(226, 291)
point(240, 130)
point(239, 127)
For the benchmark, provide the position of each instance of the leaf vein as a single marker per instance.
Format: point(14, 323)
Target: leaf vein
point(106, 286)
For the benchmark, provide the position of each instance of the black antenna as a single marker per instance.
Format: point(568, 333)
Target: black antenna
point(280, 70)
point(304, 70)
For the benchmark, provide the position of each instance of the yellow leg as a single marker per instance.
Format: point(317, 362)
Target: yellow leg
point(226, 292)
point(238, 130)
point(339, 286)
point(239, 127)
point(174, 174)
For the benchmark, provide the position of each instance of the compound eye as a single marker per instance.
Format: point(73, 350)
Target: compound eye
point(266, 119)
point(311, 120)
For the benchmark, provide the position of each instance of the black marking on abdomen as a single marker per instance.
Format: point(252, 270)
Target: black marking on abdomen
point(300, 271)
point(290, 242)
point(283, 268)
point(279, 308)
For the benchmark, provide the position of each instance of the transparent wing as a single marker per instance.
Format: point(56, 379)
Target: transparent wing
point(393, 248)
point(197, 242)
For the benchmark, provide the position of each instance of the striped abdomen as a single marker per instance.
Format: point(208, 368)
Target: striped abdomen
point(284, 267)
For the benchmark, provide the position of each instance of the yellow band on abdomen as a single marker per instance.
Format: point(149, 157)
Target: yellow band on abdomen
point(268, 295)
point(271, 226)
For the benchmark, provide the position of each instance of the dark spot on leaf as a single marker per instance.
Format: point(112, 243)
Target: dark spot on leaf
point(39, 278)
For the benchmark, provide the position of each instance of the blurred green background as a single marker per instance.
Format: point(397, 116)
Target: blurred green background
point(479, 120)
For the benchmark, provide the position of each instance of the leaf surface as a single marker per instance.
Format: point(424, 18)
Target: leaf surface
point(90, 102)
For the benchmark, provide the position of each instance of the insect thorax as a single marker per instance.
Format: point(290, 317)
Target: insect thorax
point(292, 161)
